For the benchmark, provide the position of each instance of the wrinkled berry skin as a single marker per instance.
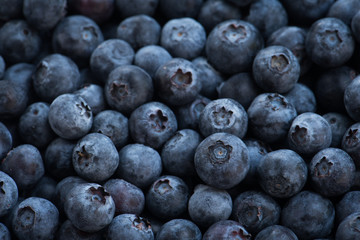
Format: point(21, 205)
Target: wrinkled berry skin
point(167, 197)
point(178, 229)
point(232, 45)
point(35, 218)
point(8, 193)
point(139, 164)
point(95, 157)
point(223, 115)
point(308, 215)
point(152, 124)
point(329, 42)
point(70, 117)
point(129, 226)
point(68, 231)
point(89, 207)
point(209, 205)
point(256, 211)
point(276, 232)
point(282, 173)
point(222, 160)
point(349, 228)
point(6, 141)
point(348, 204)
point(270, 116)
point(226, 229)
point(309, 133)
point(332, 172)
point(302, 97)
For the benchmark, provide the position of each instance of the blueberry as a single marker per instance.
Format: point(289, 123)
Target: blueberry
point(270, 116)
point(339, 123)
point(139, 31)
point(99, 11)
point(44, 15)
point(349, 204)
point(19, 42)
point(276, 69)
point(309, 133)
point(89, 207)
point(68, 231)
point(302, 97)
point(223, 115)
point(178, 152)
point(209, 205)
point(127, 197)
point(4, 232)
point(308, 215)
point(94, 95)
point(25, 165)
point(10, 9)
point(183, 38)
point(2, 67)
point(329, 42)
point(20, 73)
point(355, 26)
point(350, 143)
point(139, 164)
point(129, 226)
point(13, 99)
point(222, 160)
point(6, 141)
point(351, 99)
point(114, 125)
point(56, 74)
point(127, 9)
point(8, 194)
point(177, 82)
point(70, 116)
point(178, 229)
point(180, 8)
point(152, 124)
point(226, 229)
point(348, 229)
point(45, 188)
point(151, 57)
point(95, 157)
point(344, 10)
point(35, 218)
point(128, 87)
point(167, 197)
point(232, 46)
point(276, 232)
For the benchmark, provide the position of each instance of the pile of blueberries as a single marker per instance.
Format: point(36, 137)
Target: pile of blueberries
point(179, 119)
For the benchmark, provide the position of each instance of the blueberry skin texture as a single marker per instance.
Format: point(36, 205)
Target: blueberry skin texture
point(95, 157)
point(129, 226)
point(20, 73)
point(89, 207)
point(127, 88)
point(19, 42)
point(178, 229)
point(309, 133)
point(14, 99)
point(344, 10)
point(226, 229)
point(139, 164)
point(167, 197)
point(9, 194)
point(355, 26)
point(109, 55)
point(10, 9)
point(76, 36)
point(267, 16)
point(139, 31)
point(232, 46)
point(270, 116)
point(114, 125)
point(276, 69)
point(2, 67)
point(222, 160)
point(99, 11)
point(70, 117)
point(352, 100)
point(223, 115)
point(183, 38)
point(308, 215)
point(348, 205)
point(177, 82)
point(151, 57)
point(339, 123)
point(329, 42)
point(332, 172)
point(34, 127)
point(302, 97)
point(94, 95)
point(282, 173)
point(127, 197)
point(256, 211)
point(240, 87)
point(6, 141)
point(178, 9)
point(44, 15)
point(127, 9)
point(68, 231)
point(351, 143)
point(152, 124)
point(216, 11)
point(4, 232)
point(177, 154)
point(276, 232)
point(25, 165)
point(35, 218)
point(209, 205)
point(348, 229)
